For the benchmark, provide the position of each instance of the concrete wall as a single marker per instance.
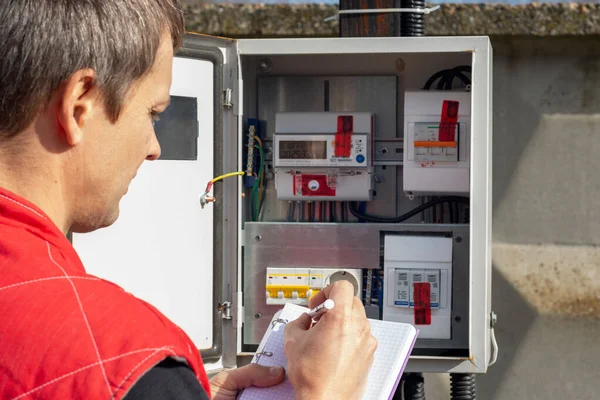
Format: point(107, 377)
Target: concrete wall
point(546, 282)
point(546, 263)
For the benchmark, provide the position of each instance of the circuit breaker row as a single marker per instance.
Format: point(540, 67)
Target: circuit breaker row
point(298, 285)
point(405, 283)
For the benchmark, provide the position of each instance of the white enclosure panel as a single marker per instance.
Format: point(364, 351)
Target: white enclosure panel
point(161, 247)
point(309, 57)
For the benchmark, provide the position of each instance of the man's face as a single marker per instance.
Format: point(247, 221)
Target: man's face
point(109, 156)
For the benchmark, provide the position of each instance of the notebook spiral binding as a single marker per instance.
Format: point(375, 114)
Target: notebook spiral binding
point(264, 353)
point(278, 321)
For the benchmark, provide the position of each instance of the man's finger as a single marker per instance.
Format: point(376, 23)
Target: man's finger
point(340, 292)
point(302, 323)
point(359, 307)
point(251, 375)
point(318, 298)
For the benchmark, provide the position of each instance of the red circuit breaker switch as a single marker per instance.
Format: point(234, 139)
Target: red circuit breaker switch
point(343, 137)
point(422, 297)
point(448, 121)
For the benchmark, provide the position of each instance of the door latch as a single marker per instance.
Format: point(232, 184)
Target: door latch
point(227, 96)
point(225, 309)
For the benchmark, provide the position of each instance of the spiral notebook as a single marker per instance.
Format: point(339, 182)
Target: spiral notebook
point(395, 344)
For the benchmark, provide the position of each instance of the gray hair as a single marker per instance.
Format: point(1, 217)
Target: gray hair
point(43, 42)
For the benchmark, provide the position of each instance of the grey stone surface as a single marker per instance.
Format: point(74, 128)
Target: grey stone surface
point(308, 20)
point(551, 280)
point(255, 20)
point(546, 187)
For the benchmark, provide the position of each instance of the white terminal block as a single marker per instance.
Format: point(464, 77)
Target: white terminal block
point(436, 160)
point(297, 285)
point(324, 156)
point(418, 259)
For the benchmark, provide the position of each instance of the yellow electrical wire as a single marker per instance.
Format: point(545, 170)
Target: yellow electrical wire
point(218, 178)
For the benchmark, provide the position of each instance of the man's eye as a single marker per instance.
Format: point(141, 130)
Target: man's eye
point(154, 116)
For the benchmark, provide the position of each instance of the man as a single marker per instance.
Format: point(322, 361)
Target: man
point(80, 85)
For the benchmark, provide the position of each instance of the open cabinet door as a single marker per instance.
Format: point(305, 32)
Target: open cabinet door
point(162, 248)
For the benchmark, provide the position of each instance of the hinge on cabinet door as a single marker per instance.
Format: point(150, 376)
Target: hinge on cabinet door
point(227, 95)
point(225, 309)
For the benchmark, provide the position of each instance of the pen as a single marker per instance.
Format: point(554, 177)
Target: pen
point(321, 309)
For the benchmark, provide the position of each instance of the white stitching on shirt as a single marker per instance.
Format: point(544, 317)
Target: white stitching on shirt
point(87, 323)
point(48, 279)
point(155, 349)
point(22, 205)
point(134, 368)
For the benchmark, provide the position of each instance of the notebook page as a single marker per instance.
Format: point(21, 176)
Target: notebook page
point(270, 353)
point(395, 342)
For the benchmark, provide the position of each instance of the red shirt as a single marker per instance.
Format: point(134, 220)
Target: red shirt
point(65, 334)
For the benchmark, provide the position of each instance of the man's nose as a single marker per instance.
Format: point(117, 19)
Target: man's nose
point(154, 152)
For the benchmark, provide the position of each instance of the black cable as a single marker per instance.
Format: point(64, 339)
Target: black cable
point(457, 72)
point(463, 68)
point(371, 218)
point(299, 209)
point(462, 387)
point(442, 82)
point(433, 78)
point(333, 211)
point(429, 210)
point(412, 24)
point(446, 78)
point(414, 387)
point(456, 212)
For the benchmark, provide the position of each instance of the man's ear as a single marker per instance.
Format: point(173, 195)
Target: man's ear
point(77, 102)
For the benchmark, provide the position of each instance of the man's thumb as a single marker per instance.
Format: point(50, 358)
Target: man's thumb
point(254, 375)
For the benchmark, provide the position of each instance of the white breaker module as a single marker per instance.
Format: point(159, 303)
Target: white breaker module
point(437, 142)
point(410, 260)
point(323, 156)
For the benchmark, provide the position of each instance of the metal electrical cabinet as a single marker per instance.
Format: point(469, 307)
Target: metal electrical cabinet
point(366, 159)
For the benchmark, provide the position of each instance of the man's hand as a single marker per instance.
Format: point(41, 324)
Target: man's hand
point(332, 359)
point(226, 385)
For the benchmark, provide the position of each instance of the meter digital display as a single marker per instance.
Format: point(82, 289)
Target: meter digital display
point(302, 150)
